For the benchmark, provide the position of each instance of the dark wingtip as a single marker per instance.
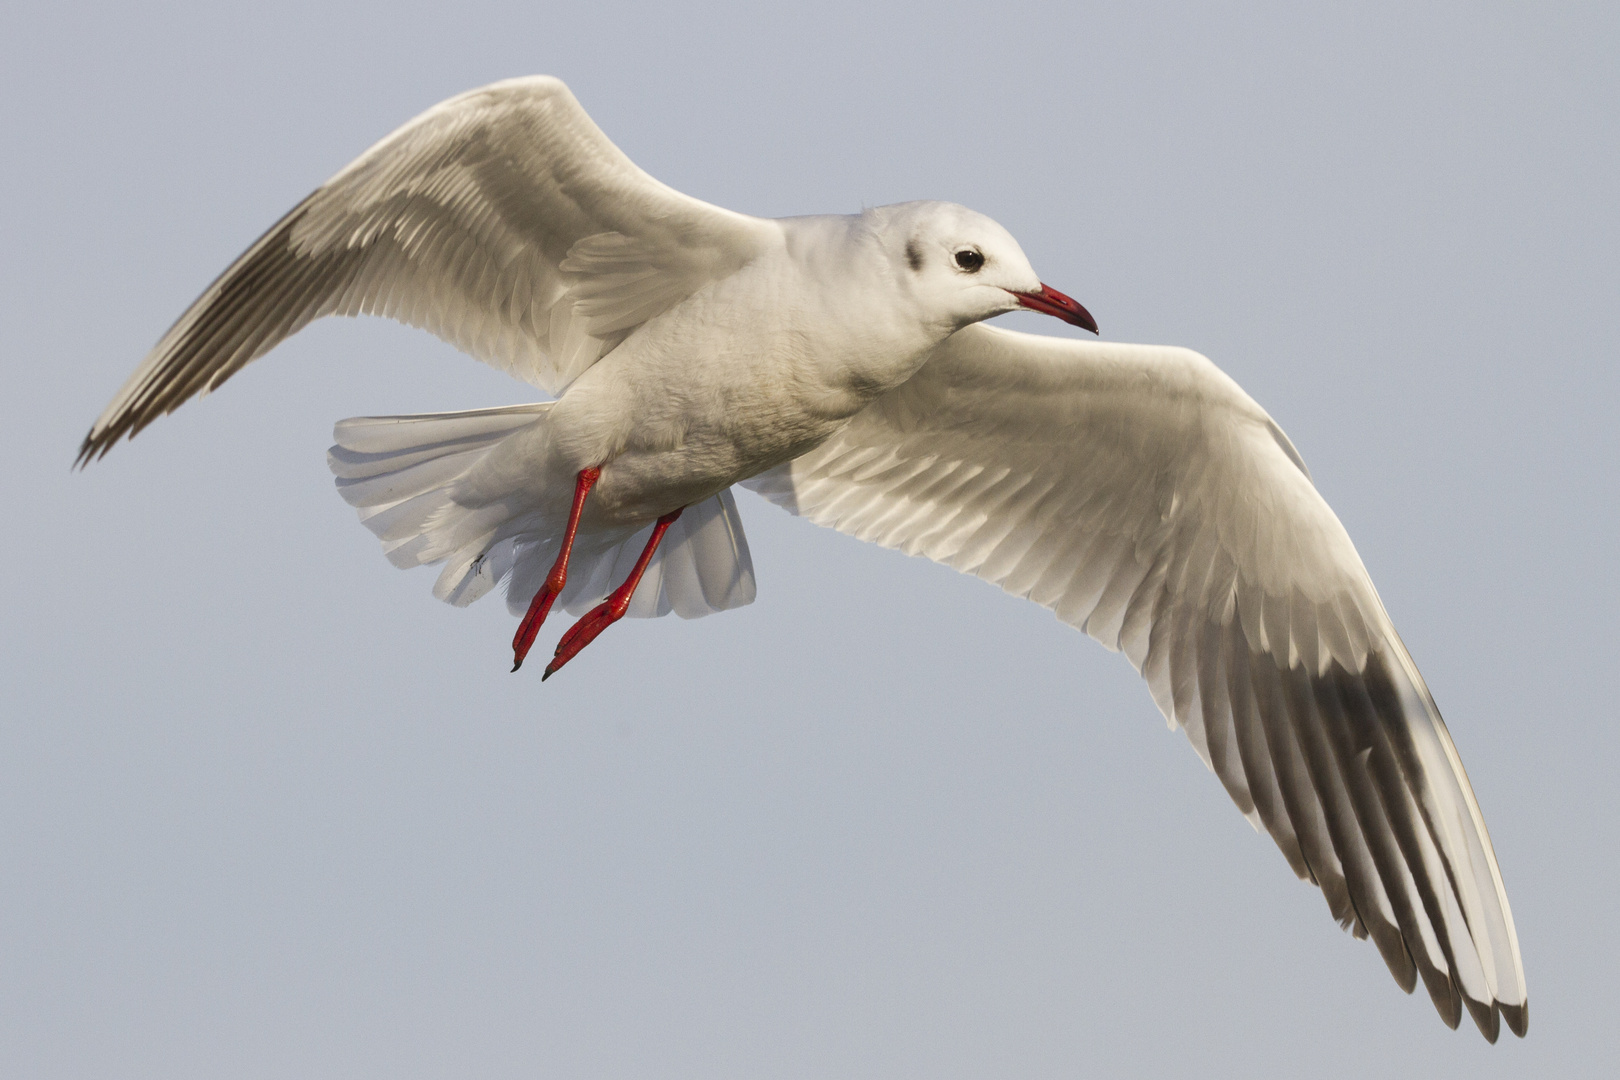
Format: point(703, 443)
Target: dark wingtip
point(1484, 1014)
point(1517, 1017)
point(96, 444)
point(1443, 992)
point(1392, 947)
point(87, 451)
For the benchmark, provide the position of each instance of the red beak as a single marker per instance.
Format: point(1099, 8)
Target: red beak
point(1051, 302)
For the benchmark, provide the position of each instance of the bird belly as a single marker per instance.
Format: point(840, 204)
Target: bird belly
point(673, 461)
point(670, 434)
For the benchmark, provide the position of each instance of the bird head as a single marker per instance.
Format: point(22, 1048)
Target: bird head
point(964, 268)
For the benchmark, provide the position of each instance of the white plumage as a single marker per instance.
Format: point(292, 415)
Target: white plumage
point(836, 366)
point(401, 472)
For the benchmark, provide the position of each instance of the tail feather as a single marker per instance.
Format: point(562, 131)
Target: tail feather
point(702, 566)
point(408, 479)
point(402, 473)
point(706, 569)
point(392, 435)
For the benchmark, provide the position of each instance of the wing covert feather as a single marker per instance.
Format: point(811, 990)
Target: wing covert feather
point(1140, 494)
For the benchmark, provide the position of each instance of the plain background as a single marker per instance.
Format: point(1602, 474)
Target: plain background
point(267, 809)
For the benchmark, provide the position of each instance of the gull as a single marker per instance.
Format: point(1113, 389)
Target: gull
point(839, 366)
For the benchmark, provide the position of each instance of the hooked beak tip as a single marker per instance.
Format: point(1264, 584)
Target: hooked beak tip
point(1051, 302)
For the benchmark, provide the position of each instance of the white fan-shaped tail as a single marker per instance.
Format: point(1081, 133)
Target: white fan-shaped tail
point(402, 473)
point(701, 567)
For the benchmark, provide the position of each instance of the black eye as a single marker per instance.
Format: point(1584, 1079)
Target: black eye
point(969, 260)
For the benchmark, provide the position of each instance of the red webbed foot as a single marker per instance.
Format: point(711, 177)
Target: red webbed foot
point(613, 608)
point(582, 633)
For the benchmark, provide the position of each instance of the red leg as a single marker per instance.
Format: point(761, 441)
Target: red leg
point(613, 608)
point(552, 587)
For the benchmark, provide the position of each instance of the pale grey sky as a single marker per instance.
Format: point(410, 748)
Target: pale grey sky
point(267, 809)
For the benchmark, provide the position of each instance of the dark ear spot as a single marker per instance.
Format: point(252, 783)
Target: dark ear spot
point(914, 255)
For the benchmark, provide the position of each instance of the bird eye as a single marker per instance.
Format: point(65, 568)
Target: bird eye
point(969, 260)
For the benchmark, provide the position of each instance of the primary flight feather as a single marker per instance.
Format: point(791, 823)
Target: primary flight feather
point(836, 366)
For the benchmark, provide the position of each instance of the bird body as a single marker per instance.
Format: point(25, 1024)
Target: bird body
point(748, 372)
point(837, 366)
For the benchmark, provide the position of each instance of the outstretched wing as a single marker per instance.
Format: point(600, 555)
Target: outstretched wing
point(1144, 497)
point(502, 220)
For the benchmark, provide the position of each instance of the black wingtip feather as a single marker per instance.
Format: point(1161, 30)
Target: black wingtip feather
point(1484, 1014)
point(1517, 1017)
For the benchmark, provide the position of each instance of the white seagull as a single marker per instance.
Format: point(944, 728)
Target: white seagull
point(837, 366)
